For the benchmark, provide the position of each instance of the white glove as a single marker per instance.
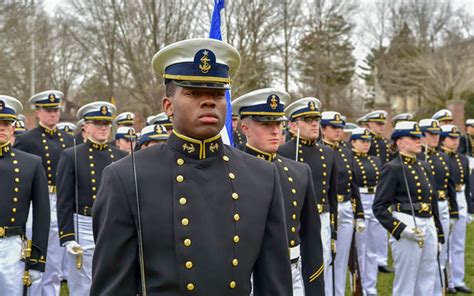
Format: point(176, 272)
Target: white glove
point(410, 233)
point(360, 225)
point(73, 248)
point(35, 275)
point(469, 218)
point(452, 222)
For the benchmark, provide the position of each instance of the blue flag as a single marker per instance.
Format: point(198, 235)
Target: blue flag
point(216, 33)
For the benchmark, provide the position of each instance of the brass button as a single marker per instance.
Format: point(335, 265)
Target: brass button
point(236, 217)
point(232, 285)
point(2, 231)
point(17, 180)
point(47, 154)
point(17, 170)
point(231, 176)
point(293, 229)
point(189, 265)
point(285, 169)
point(235, 196)
point(179, 178)
point(236, 239)
point(92, 172)
point(16, 189)
point(180, 161)
point(15, 199)
point(92, 165)
point(295, 203)
point(183, 200)
point(293, 216)
point(94, 188)
point(293, 191)
point(93, 180)
point(292, 243)
point(235, 262)
point(226, 158)
point(12, 220)
point(190, 286)
point(15, 161)
point(187, 242)
point(94, 197)
point(91, 157)
point(185, 221)
point(14, 210)
point(290, 179)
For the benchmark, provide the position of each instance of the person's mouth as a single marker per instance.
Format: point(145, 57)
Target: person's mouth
point(208, 118)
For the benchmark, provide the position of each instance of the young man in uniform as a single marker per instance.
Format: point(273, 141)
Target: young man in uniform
point(23, 187)
point(304, 117)
point(210, 215)
point(350, 210)
point(79, 175)
point(380, 148)
point(48, 142)
point(262, 114)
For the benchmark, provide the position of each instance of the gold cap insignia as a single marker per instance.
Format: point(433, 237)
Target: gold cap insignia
point(158, 129)
point(312, 106)
point(104, 110)
point(52, 98)
point(204, 66)
point(273, 101)
point(129, 117)
point(2, 105)
point(337, 117)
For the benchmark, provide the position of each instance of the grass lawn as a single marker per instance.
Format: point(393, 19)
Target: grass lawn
point(384, 286)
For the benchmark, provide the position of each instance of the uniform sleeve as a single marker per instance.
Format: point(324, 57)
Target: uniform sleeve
point(115, 237)
point(467, 190)
point(21, 143)
point(357, 207)
point(384, 198)
point(453, 203)
point(272, 272)
point(66, 198)
point(434, 204)
point(311, 245)
point(332, 195)
point(462, 145)
point(41, 219)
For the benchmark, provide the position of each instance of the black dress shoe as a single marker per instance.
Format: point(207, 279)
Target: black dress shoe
point(463, 289)
point(451, 291)
point(385, 269)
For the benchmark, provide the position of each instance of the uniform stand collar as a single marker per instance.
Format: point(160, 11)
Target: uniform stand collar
point(5, 149)
point(429, 150)
point(408, 159)
point(332, 145)
point(304, 141)
point(448, 151)
point(48, 131)
point(360, 154)
point(259, 153)
point(194, 148)
point(97, 146)
point(375, 135)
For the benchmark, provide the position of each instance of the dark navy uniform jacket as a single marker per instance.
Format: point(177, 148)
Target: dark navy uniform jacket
point(441, 169)
point(366, 170)
point(321, 160)
point(347, 189)
point(380, 148)
point(23, 182)
point(211, 215)
point(302, 218)
point(461, 174)
point(392, 192)
point(92, 158)
point(47, 144)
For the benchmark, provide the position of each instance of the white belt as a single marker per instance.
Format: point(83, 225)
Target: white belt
point(365, 190)
point(294, 252)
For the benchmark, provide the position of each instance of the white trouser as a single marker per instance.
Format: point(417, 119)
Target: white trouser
point(366, 242)
point(326, 242)
point(382, 243)
point(80, 280)
point(443, 210)
point(457, 244)
point(415, 267)
point(296, 273)
point(50, 282)
point(345, 229)
point(11, 266)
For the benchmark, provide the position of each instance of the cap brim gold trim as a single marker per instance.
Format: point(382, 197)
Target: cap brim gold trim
point(197, 78)
point(316, 113)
